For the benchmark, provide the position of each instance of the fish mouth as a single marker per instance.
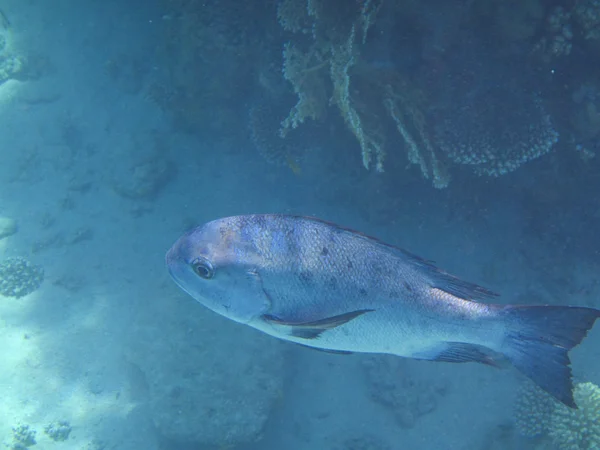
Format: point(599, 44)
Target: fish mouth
point(177, 272)
point(170, 257)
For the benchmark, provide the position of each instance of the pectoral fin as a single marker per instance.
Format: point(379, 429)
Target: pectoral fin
point(312, 330)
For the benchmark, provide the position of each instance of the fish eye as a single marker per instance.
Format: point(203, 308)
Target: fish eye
point(203, 269)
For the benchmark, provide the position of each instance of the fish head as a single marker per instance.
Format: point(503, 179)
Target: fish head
point(216, 264)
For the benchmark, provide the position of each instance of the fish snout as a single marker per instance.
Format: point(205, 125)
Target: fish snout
point(172, 256)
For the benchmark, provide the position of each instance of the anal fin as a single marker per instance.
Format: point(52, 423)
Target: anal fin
point(460, 352)
point(326, 350)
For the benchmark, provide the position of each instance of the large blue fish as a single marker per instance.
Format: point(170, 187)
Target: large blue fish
point(320, 285)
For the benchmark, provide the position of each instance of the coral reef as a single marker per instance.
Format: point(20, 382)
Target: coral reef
point(365, 98)
point(19, 277)
point(578, 429)
point(58, 431)
point(322, 70)
point(435, 85)
point(374, 99)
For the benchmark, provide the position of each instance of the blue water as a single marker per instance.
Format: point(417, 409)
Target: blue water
point(128, 124)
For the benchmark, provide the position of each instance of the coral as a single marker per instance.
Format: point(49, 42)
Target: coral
point(472, 136)
point(558, 37)
point(58, 431)
point(293, 16)
point(302, 70)
point(578, 429)
point(341, 61)
point(335, 51)
point(533, 410)
point(368, 15)
point(419, 147)
point(370, 100)
point(587, 15)
point(19, 277)
point(582, 19)
point(23, 437)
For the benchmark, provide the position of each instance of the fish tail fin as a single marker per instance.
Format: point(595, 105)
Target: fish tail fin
point(538, 341)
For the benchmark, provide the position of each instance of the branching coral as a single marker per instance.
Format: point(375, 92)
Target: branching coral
point(339, 52)
point(303, 71)
point(460, 127)
point(293, 16)
point(341, 62)
point(19, 277)
point(578, 429)
point(533, 409)
point(420, 149)
point(368, 101)
point(537, 414)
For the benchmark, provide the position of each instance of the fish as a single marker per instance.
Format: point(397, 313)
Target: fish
point(317, 284)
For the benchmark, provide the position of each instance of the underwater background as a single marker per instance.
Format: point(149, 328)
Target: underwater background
point(465, 131)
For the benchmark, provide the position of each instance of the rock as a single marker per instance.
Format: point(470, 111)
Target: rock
point(145, 179)
point(8, 227)
point(408, 396)
point(211, 383)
